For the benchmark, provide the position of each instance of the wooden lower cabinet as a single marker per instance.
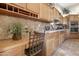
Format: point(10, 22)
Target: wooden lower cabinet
point(56, 41)
point(61, 37)
point(73, 17)
point(73, 35)
point(49, 47)
point(17, 51)
point(52, 42)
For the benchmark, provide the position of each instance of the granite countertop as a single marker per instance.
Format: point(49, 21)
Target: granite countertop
point(9, 44)
point(55, 31)
point(50, 31)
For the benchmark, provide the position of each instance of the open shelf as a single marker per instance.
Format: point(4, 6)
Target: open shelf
point(8, 9)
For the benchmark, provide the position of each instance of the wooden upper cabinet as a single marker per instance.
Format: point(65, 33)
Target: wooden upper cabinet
point(56, 13)
point(51, 13)
point(71, 18)
point(61, 18)
point(76, 17)
point(21, 5)
point(34, 7)
point(44, 12)
point(64, 20)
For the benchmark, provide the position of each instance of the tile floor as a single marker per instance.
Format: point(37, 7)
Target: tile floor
point(70, 47)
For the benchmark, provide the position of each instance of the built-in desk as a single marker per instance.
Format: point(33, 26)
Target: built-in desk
point(13, 47)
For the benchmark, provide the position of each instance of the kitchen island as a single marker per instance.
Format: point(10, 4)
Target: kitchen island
point(53, 39)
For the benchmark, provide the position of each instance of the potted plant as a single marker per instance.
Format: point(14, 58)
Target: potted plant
point(16, 30)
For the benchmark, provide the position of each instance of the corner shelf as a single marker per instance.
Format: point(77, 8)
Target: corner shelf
point(11, 10)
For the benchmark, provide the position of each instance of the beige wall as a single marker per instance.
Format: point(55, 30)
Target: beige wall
point(5, 21)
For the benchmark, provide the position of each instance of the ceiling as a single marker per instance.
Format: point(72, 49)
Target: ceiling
point(67, 5)
point(73, 7)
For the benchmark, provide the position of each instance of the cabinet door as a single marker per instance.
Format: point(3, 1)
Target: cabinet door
point(44, 12)
point(61, 18)
point(71, 18)
point(64, 20)
point(49, 43)
point(22, 5)
point(56, 13)
point(56, 41)
point(76, 17)
point(61, 37)
point(51, 14)
point(34, 7)
point(49, 48)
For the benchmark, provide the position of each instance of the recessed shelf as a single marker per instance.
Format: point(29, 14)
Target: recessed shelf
point(11, 10)
point(2, 5)
point(24, 12)
point(36, 15)
point(15, 9)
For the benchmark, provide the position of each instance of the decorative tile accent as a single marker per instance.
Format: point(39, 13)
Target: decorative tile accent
point(5, 21)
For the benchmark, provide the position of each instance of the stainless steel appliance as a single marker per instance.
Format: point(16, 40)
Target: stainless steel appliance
point(55, 25)
point(73, 26)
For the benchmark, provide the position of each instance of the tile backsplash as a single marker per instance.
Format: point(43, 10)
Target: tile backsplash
point(5, 21)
